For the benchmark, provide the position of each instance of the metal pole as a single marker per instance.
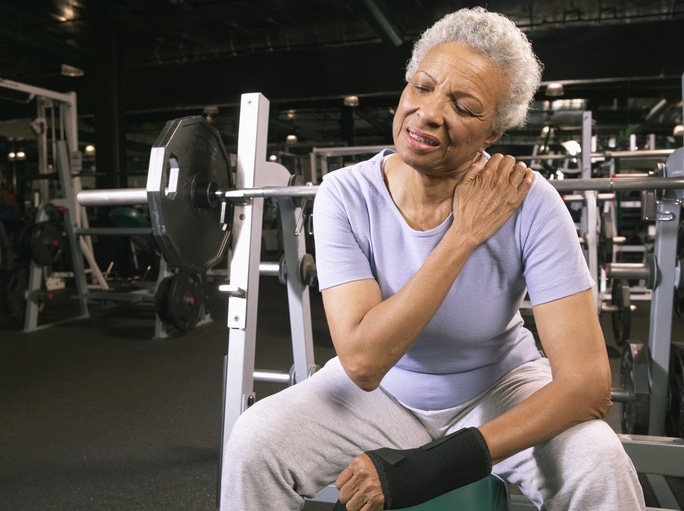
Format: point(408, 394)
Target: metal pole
point(138, 196)
point(112, 197)
point(606, 155)
point(610, 184)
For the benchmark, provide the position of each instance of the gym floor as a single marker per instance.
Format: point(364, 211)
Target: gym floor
point(95, 414)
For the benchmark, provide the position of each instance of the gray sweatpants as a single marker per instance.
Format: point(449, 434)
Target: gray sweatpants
point(290, 445)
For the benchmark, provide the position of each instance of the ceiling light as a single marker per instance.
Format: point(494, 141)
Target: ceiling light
point(291, 139)
point(555, 89)
point(90, 149)
point(351, 101)
point(68, 70)
point(678, 130)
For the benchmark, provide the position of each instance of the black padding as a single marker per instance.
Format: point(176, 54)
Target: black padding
point(412, 476)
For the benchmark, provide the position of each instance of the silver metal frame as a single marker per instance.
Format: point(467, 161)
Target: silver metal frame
point(254, 171)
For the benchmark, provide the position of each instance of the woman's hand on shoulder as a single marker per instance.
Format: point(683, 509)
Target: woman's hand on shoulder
point(490, 192)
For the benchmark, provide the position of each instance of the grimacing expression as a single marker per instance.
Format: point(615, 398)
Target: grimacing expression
point(446, 111)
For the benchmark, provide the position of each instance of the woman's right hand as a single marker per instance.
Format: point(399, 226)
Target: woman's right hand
point(488, 195)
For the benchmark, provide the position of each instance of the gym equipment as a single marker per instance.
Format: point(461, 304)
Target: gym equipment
point(179, 300)
point(47, 242)
point(621, 310)
point(660, 271)
point(635, 388)
point(191, 234)
point(488, 494)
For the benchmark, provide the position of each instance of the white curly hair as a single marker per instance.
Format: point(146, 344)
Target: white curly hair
point(497, 38)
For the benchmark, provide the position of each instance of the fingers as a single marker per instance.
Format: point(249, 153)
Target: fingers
point(343, 478)
point(504, 170)
point(359, 486)
point(487, 197)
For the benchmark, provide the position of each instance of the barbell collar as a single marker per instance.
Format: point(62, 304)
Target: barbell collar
point(648, 271)
point(630, 271)
point(621, 395)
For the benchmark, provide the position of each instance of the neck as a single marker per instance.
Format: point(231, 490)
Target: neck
point(424, 202)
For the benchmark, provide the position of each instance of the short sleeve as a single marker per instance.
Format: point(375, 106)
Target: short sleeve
point(553, 260)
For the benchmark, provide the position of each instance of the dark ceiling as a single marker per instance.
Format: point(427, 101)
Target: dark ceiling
point(147, 61)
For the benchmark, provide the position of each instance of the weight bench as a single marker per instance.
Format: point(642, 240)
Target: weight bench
point(488, 494)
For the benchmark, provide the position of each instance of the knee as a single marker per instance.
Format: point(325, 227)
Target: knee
point(248, 438)
point(587, 468)
point(591, 448)
point(263, 432)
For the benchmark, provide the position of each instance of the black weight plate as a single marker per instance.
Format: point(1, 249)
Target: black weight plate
point(161, 300)
point(622, 315)
point(184, 301)
point(635, 378)
point(47, 243)
point(188, 155)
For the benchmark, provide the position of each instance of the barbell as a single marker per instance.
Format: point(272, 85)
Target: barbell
point(190, 193)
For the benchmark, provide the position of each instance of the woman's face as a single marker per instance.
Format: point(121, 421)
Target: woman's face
point(446, 112)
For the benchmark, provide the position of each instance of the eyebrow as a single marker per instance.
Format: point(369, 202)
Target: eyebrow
point(460, 93)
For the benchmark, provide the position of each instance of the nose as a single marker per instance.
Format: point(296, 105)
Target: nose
point(432, 110)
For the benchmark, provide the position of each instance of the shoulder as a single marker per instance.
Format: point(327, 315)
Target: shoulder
point(354, 183)
point(358, 174)
point(543, 196)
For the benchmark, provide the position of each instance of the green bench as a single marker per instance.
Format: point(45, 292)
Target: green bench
point(488, 494)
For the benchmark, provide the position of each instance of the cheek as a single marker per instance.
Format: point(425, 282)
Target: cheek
point(398, 122)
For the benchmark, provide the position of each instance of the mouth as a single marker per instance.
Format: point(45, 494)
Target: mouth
point(422, 138)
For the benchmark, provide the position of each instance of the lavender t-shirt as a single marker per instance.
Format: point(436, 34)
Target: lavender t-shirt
point(477, 335)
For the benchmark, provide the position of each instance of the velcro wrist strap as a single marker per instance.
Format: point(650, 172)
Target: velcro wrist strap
point(412, 476)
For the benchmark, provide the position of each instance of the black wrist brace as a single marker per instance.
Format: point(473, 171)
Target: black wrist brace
point(412, 476)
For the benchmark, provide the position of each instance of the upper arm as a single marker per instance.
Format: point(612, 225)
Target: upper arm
point(573, 341)
point(345, 307)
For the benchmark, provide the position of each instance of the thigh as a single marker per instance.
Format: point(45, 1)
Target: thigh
point(317, 426)
point(582, 468)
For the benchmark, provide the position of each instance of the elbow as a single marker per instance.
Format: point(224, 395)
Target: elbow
point(600, 405)
point(596, 398)
point(362, 376)
point(367, 386)
point(602, 402)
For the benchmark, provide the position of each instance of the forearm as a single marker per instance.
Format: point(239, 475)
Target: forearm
point(368, 346)
point(554, 408)
point(579, 390)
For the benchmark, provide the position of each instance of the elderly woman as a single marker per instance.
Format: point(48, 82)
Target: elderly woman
point(424, 256)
